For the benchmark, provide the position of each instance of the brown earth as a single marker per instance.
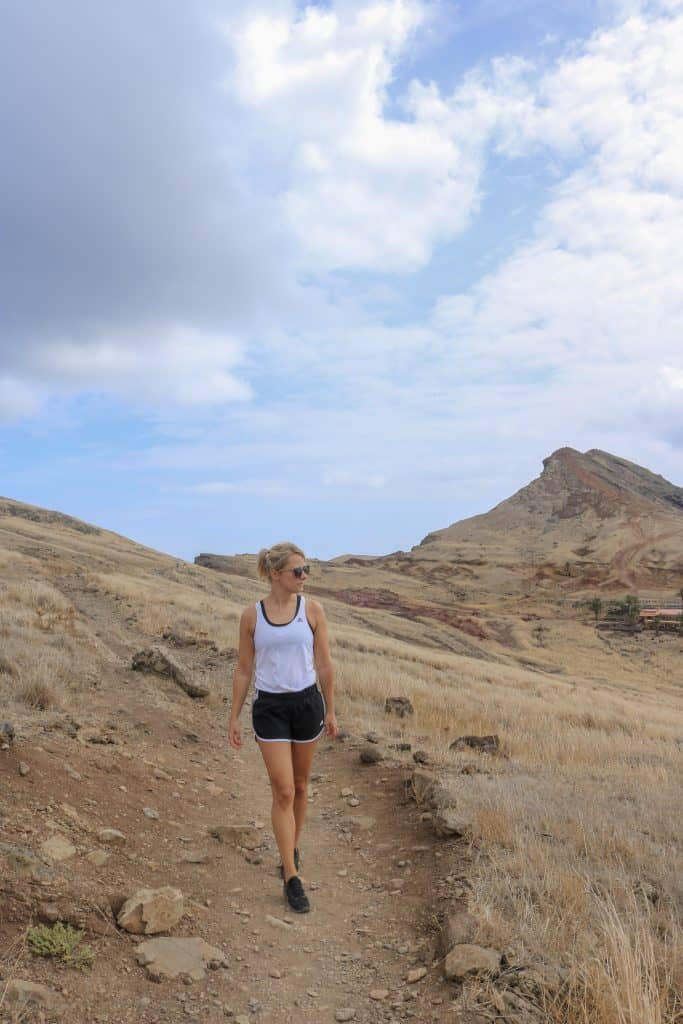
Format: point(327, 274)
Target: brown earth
point(503, 593)
point(374, 884)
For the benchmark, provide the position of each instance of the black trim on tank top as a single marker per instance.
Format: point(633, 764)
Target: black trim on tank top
point(278, 624)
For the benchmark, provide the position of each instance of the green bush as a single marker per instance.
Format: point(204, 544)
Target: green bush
point(61, 943)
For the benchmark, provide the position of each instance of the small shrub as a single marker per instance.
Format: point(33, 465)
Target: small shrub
point(38, 695)
point(62, 943)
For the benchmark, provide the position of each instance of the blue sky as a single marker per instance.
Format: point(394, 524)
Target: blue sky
point(343, 272)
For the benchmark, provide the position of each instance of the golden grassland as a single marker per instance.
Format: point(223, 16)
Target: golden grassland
point(576, 838)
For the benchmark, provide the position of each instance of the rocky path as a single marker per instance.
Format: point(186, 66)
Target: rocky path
point(155, 766)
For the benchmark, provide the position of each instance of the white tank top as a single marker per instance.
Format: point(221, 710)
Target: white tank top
point(284, 654)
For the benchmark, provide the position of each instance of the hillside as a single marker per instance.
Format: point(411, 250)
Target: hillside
point(613, 522)
point(552, 848)
point(504, 586)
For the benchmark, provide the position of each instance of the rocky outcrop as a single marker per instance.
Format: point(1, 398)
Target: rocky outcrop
point(160, 661)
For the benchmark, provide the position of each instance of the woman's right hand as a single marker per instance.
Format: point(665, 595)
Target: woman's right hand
point(234, 735)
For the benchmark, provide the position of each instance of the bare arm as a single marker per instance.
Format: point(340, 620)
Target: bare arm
point(323, 665)
point(244, 670)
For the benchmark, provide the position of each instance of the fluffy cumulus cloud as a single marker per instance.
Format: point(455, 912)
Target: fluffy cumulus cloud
point(591, 302)
point(361, 188)
point(178, 234)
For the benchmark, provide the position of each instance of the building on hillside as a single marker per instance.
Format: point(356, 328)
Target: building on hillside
point(666, 618)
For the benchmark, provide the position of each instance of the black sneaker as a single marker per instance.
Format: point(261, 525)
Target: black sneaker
point(295, 895)
point(297, 864)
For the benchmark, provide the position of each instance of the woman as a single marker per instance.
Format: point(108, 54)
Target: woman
point(284, 643)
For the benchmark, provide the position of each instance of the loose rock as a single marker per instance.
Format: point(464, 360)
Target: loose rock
point(458, 929)
point(371, 755)
point(169, 958)
point(467, 959)
point(21, 994)
point(57, 848)
point(7, 735)
point(19, 861)
point(277, 922)
point(401, 706)
point(98, 857)
point(344, 1013)
point(486, 744)
point(149, 911)
point(111, 836)
point(416, 974)
point(364, 822)
point(236, 835)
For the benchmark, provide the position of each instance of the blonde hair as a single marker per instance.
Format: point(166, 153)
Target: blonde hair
point(273, 559)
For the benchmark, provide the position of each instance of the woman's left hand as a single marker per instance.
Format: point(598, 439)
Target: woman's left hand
point(331, 727)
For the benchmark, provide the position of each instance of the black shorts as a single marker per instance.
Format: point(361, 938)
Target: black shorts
point(288, 717)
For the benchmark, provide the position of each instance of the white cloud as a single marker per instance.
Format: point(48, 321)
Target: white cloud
point(179, 364)
point(362, 188)
point(590, 310)
point(574, 338)
point(19, 399)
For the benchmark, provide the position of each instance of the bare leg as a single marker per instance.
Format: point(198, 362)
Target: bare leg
point(302, 760)
point(278, 760)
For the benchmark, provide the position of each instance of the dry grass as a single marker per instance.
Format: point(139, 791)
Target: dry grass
point(39, 633)
point(161, 604)
point(577, 847)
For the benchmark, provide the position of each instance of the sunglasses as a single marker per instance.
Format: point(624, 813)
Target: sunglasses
point(299, 571)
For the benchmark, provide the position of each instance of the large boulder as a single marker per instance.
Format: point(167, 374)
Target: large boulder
point(160, 661)
point(150, 911)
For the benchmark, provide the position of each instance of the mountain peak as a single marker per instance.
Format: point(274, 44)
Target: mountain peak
point(591, 505)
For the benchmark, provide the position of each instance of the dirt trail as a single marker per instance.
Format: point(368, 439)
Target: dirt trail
point(375, 872)
point(624, 562)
